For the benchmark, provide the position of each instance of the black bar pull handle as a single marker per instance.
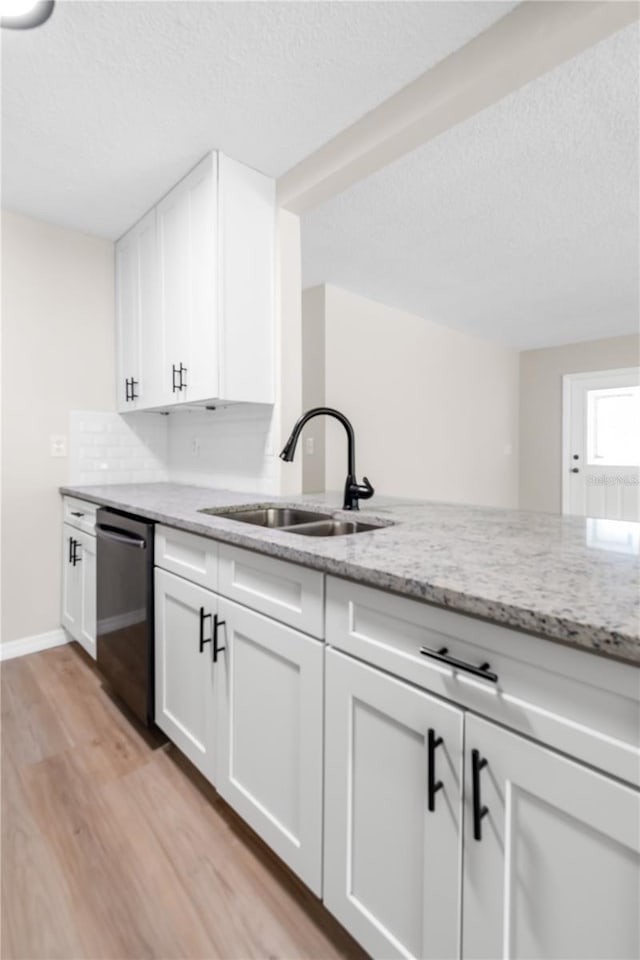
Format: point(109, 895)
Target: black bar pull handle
point(76, 559)
point(216, 649)
point(203, 617)
point(478, 763)
point(443, 656)
point(70, 549)
point(433, 785)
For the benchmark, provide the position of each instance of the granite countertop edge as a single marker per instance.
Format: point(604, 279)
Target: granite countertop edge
point(612, 643)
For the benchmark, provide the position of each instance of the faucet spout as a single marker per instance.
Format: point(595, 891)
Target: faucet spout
point(353, 491)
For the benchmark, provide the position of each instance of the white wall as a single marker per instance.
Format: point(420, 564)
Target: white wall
point(435, 411)
point(313, 389)
point(57, 355)
point(541, 373)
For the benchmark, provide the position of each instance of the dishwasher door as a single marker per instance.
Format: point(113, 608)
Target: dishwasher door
point(124, 638)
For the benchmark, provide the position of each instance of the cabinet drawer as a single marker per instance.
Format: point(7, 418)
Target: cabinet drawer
point(282, 590)
point(80, 514)
point(577, 702)
point(188, 555)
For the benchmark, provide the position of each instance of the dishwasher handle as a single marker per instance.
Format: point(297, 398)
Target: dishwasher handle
point(120, 536)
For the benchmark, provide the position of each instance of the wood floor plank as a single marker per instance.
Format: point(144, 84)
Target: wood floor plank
point(30, 729)
point(36, 907)
point(117, 849)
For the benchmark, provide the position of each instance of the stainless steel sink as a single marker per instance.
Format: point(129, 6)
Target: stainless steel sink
point(334, 528)
point(275, 517)
point(291, 520)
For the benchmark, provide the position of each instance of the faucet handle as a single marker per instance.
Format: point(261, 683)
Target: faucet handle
point(364, 489)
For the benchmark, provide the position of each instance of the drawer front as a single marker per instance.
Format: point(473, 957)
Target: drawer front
point(285, 591)
point(80, 514)
point(575, 701)
point(188, 555)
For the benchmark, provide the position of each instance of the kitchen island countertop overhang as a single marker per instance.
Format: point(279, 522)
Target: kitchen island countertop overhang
point(557, 577)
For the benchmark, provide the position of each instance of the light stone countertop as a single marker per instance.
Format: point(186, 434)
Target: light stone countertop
point(568, 579)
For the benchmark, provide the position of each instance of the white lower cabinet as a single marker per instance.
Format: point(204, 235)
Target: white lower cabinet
point(392, 840)
point(270, 735)
point(185, 671)
point(554, 869)
point(79, 586)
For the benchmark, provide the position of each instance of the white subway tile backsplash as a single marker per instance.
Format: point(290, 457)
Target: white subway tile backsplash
point(109, 448)
point(231, 448)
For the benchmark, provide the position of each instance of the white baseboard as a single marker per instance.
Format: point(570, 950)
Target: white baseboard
point(41, 641)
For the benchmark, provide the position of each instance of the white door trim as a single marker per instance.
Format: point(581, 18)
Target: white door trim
point(568, 380)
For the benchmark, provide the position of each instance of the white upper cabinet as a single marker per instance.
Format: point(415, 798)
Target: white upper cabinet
point(209, 332)
point(136, 312)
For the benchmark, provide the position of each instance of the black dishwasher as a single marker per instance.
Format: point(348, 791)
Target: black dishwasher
point(124, 561)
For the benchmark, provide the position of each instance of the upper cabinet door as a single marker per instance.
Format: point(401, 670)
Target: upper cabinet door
point(187, 224)
point(552, 870)
point(127, 319)
point(136, 314)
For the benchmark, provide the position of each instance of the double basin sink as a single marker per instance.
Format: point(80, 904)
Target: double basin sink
point(292, 520)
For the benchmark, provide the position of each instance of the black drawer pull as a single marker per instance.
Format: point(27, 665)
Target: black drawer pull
point(203, 617)
point(442, 655)
point(216, 649)
point(433, 785)
point(71, 549)
point(75, 558)
point(477, 764)
point(76, 513)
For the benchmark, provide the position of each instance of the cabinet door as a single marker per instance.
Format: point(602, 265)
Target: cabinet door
point(184, 669)
point(187, 223)
point(392, 864)
point(127, 318)
point(270, 748)
point(138, 361)
point(86, 554)
point(71, 582)
point(556, 873)
point(149, 389)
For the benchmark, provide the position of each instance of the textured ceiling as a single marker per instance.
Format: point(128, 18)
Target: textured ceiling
point(109, 103)
point(520, 225)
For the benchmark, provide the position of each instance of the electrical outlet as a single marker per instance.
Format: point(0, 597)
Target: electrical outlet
point(58, 444)
point(195, 446)
point(309, 445)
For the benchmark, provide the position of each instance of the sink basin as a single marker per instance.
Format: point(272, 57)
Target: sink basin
point(305, 522)
point(275, 517)
point(334, 528)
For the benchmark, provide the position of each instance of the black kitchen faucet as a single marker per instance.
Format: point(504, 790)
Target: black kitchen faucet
point(353, 491)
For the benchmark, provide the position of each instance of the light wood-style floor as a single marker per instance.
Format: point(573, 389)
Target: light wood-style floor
point(114, 849)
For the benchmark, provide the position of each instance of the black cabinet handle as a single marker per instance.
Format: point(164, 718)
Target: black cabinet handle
point(433, 785)
point(203, 617)
point(442, 655)
point(134, 384)
point(181, 384)
point(75, 558)
point(574, 470)
point(216, 649)
point(77, 513)
point(70, 549)
point(477, 764)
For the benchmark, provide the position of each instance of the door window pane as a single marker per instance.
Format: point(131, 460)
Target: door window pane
point(613, 427)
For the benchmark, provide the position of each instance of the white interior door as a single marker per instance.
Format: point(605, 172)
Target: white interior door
point(601, 444)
